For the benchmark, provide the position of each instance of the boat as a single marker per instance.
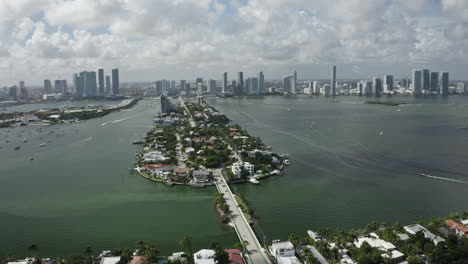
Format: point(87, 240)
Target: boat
point(286, 162)
point(25, 140)
point(315, 236)
point(381, 133)
point(254, 181)
point(17, 147)
point(138, 142)
point(31, 158)
point(424, 175)
point(42, 145)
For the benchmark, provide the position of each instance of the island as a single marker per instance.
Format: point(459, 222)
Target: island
point(190, 141)
point(61, 115)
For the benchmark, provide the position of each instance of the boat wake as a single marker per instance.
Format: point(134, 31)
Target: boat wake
point(442, 178)
point(88, 139)
point(103, 124)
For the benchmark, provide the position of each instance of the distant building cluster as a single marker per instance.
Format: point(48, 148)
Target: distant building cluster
point(90, 84)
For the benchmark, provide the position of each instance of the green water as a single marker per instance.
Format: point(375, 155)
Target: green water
point(78, 192)
point(343, 173)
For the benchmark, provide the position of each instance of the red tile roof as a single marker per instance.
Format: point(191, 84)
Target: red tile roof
point(158, 166)
point(138, 260)
point(457, 226)
point(235, 256)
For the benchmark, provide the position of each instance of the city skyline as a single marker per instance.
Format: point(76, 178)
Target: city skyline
point(47, 39)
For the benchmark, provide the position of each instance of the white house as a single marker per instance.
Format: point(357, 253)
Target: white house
point(204, 256)
point(413, 229)
point(284, 253)
point(238, 166)
point(387, 247)
point(109, 260)
point(154, 156)
point(29, 118)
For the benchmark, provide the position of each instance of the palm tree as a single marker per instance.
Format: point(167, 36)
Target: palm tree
point(186, 245)
point(33, 248)
point(88, 251)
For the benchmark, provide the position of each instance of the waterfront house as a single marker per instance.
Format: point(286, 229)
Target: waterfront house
point(413, 229)
point(110, 260)
point(177, 256)
point(204, 256)
point(283, 252)
point(29, 118)
point(158, 170)
point(182, 172)
point(138, 260)
point(457, 228)
point(237, 167)
point(374, 241)
point(235, 256)
point(201, 176)
point(153, 156)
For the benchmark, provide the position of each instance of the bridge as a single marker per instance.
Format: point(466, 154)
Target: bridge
point(255, 252)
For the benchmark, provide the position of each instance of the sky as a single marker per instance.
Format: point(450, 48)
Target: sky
point(150, 40)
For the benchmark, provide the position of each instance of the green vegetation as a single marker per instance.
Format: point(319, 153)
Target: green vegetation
point(386, 103)
point(244, 205)
point(222, 208)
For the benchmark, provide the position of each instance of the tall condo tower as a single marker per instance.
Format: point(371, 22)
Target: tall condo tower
point(333, 81)
point(115, 82)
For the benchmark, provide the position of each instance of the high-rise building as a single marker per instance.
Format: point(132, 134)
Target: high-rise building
point(316, 87)
point(101, 82)
point(224, 83)
point(115, 82)
point(426, 80)
point(240, 83)
point(360, 87)
point(47, 87)
point(434, 82)
point(377, 86)
point(294, 84)
point(78, 84)
point(199, 89)
point(173, 89)
point(187, 89)
point(58, 86)
point(253, 85)
point(417, 86)
point(23, 93)
point(14, 93)
point(90, 84)
point(388, 83)
point(261, 83)
point(182, 85)
point(333, 80)
point(404, 83)
point(233, 87)
point(367, 88)
point(108, 84)
point(212, 87)
point(444, 83)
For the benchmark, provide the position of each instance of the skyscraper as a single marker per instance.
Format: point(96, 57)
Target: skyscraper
point(287, 84)
point(377, 86)
point(187, 89)
point(294, 84)
point(261, 83)
point(233, 86)
point(444, 83)
point(90, 84)
point(14, 93)
point(115, 82)
point(367, 88)
point(240, 83)
point(182, 85)
point(426, 80)
point(101, 82)
point(108, 84)
point(212, 87)
point(78, 84)
point(417, 86)
point(58, 86)
point(253, 85)
point(388, 83)
point(333, 81)
point(434, 82)
point(224, 83)
point(47, 87)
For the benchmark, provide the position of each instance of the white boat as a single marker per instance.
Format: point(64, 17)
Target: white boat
point(42, 145)
point(254, 181)
point(381, 133)
point(315, 236)
point(286, 162)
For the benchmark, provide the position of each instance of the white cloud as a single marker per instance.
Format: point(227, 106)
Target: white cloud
point(59, 37)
